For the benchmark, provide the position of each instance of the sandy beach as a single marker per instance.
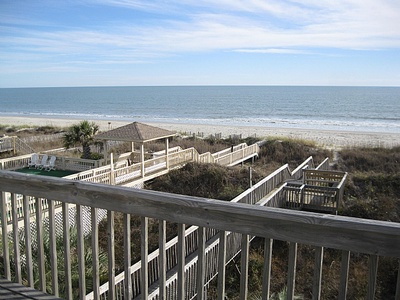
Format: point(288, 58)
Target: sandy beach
point(326, 138)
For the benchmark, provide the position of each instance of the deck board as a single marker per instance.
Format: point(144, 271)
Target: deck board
point(13, 291)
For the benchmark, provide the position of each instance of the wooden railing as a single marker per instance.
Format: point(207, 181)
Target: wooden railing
point(351, 235)
point(318, 190)
point(15, 144)
point(103, 175)
point(265, 186)
point(122, 173)
point(252, 195)
point(63, 163)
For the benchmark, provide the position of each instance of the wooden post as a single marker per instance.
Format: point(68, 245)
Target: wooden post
point(95, 253)
point(14, 145)
point(373, 271)
point(80, 248)
point(267, 268)
point(291, 270)
point(127, 257)
point(163, 258)
point(221, 265)
point(251, 177)
point(4, 236)
point(344, 274)
point(133, 147)
point(201, 263)
point(181, 262)
point(144, 250)
point(16, 248)
point(244, 267)
point(39, 239)
point(105, 146)
point(319, 256)
point(28, 241)
point(166, 153)
point(111, 255)
point(112, 175)
point(142, 159)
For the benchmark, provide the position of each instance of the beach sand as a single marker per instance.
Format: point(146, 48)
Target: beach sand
point(325, 138)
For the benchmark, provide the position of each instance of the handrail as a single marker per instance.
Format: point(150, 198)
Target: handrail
point(344, 233)
point(383, 237)
point(263, 187)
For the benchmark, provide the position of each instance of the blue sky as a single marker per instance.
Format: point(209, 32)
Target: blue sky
point(199, 42)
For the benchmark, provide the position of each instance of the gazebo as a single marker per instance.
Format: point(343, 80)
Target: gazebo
point(137, 133)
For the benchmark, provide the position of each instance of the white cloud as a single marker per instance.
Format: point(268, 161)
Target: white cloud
point(246, 26)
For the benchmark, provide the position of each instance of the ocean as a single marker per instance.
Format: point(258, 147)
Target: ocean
point(372, 109)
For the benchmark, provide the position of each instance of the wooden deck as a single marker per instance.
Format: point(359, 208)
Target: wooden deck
point(13, 291)
point(151, 278)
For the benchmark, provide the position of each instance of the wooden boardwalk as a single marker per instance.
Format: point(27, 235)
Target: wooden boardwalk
point(348, 235)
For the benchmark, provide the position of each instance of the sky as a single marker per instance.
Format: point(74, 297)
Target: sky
point(46, 43)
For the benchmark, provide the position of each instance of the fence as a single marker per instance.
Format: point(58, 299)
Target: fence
point(349, 235)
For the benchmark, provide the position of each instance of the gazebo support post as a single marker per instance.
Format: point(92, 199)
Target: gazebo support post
point(112, 174)
point(105, 150)
point(133, 147)
point(142, 159)
point(166, 153)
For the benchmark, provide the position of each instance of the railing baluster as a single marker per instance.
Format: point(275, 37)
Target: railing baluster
point(144, 250)
point(162, 259)
point(244, 267)
point(319, 256)
point(17, 254)
point(344, 274)
point(28, 241)
point(81, 252)
point(201, 263)
point(111, 255)
point(95, 253)
point(221, 265)
point(53, 249)
point(181, 262)
point(291, 270)
point(397, 296)
point(373, 270)
point(40, 249)
point(67, 251)
point(267, 268)
point(127, 257)
point(4, 236)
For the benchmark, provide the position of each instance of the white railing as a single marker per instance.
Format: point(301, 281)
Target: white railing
point(251, 196)
point(123, 173)
point(63, 163)
point(105, 175)
point(348, 235)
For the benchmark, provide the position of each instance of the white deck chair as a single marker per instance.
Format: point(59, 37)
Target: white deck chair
point(42, 162)
point(34, 160)
point(51, 164)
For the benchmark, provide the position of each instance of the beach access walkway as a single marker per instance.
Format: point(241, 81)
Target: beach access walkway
point(121, 172)
point(181, 267)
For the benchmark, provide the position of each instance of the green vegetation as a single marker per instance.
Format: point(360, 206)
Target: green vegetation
point(81, 134)
point(205, 180)
point(372, 191)
point(373, 186)
point(73, 254)
point(26, 130)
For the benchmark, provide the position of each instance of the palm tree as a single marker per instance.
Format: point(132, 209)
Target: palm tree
point(82, 134)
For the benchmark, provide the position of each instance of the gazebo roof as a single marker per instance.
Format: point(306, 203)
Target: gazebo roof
point(135, 132)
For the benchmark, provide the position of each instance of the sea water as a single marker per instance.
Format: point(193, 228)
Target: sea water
point(374, 109)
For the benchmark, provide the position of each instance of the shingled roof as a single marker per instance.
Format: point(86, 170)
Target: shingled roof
point(135, 132)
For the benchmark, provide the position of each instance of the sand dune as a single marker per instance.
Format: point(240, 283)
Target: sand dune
point(326, 138)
